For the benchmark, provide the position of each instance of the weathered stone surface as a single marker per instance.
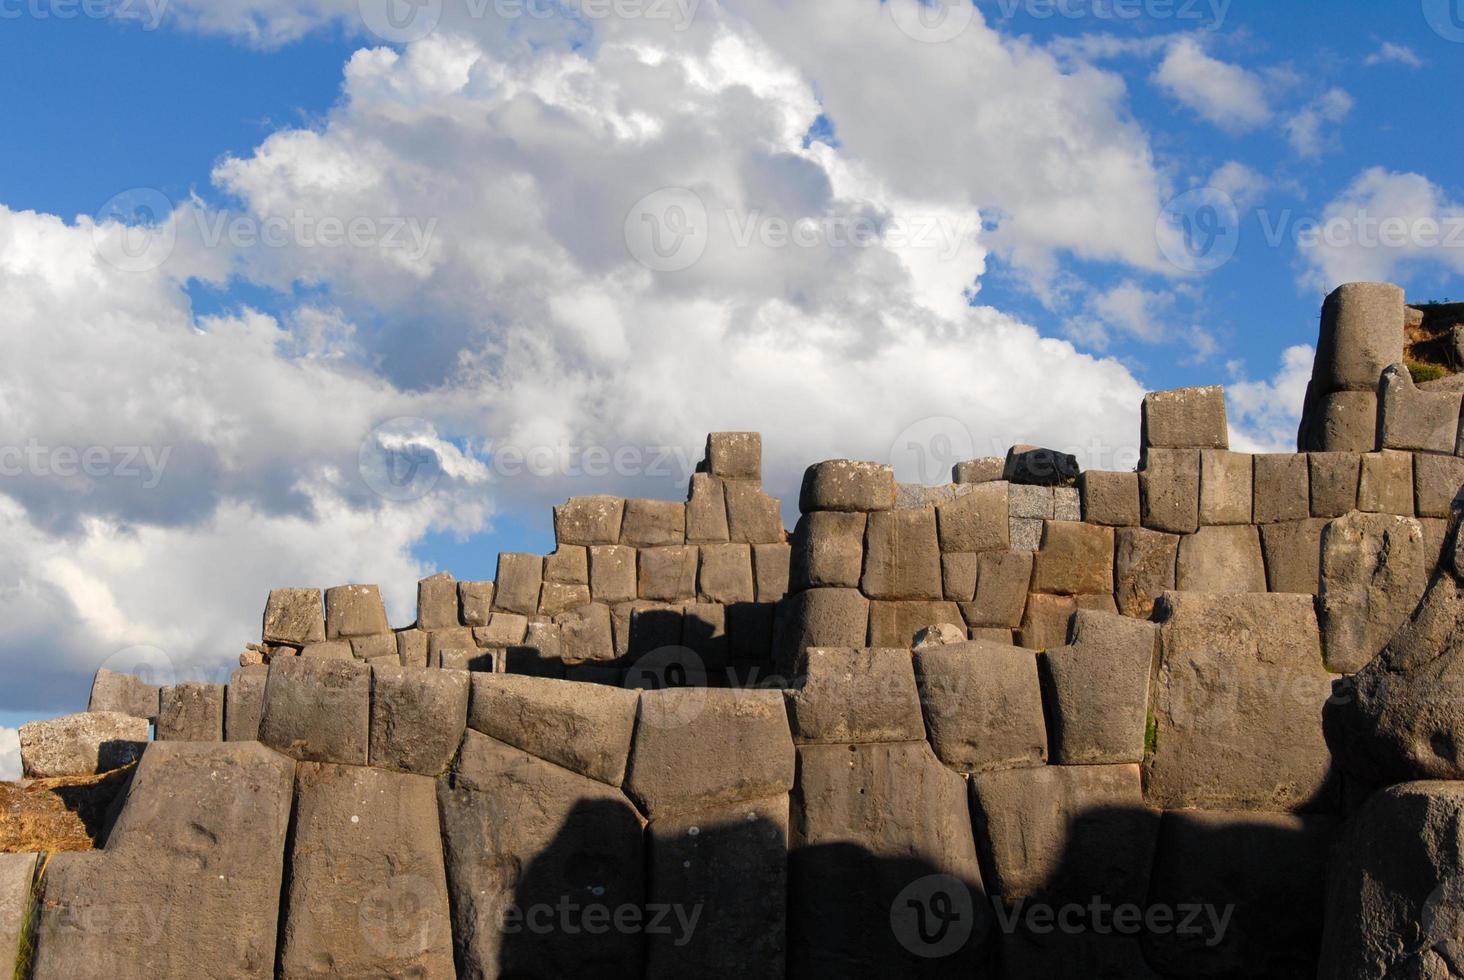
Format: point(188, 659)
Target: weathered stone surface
point(377, 647)
point(318, 710)
point(993, 634)
point(771, 566)
point(1436, 484)
point(894, 624)
point(753, 517)
point(732, 863)
point(706, 511)
point(475, 599)
point(843, 484)
point(330, 650)
point(417, 718)
point(244, 703)
point(589, 520)
point(17, 877)
point(1110, 498)
point(983, 706)
point(81, 745)
point(569, 565)
point(735, 455)
point(1098, 690)
point(192, 713)
point(1238, 702)
point(1033, 466)
point(958, 575)
point(1187, 418)
point(1222, 559)
point(1345, 421)
point(827, 550)
point(870, 825)
point(902, 556)
point(294, 616)
point(855, 696)
point(1032, 503)
point(124, 694)
point(696, 748)
point(1067, 503)
point(1374, 571)
point(1427, 421)
point(1361, 335)
point(367, 892)
point(726, 573)
point(644, 627)
point(938, 635)
point(584, 728)
point(1394, 893)
point(189, 885)
point(988, 469)
point(503, 630)
point(1026, 534)
point(1293, 551)
point(1065, 833)
point(559, 597)
point(704, 632)
point(1283, 488)
point(437, 602)
point(613, 573)
point(1169, 490)
point(1226, 487)
point(1045, 621)
point(1263, 875)
point(1001, 590)
point(354, 610)
point(520, 579)
point(1386, 483)
point(572, 841)
point(1076, 559)
point(1334, 478)
point(668, 574)
point(586, 634)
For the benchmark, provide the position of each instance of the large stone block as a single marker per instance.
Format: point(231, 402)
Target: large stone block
point(572, 841)
point(731, 863)
point(880, 833)
point(726, 573)
point(81, 745)
point(589, 520)
point(843, 484)
point(192, 713)
point(1226, 487)
point(1045, 623)
point(696, 748)
point(585, 728)
point(771, 567)
point(1076, 559)
point(1345, 421)
point(704, 632)
point(855, 696)
point(475, 600)
point(318, 710)
point(644, 627)
point(1188, 418)
point(1409, 418)
point(1222, 559)
point(902, 556)
point(437, 602)
point(1067, 503)
point(1144, 566)
point(559, 597)
point(988, 469)
point(1002, 585)
point(1110, 498)
point(1385, 485)
point(753, 517)
point(822, 618)
point(520, 580)
point(1031, 503)
point(668, 574)
point(613, 573)
point(1362, 333)
point(1334, 478)
point(244, 703)
point(894, 624)
point(1098, 690)
point(653, 523)
point(706, 511)
point(1374, 572)
point(1283, 488)
point(1293, 551)
point(569, 565)
point(124, 694)
point(354, 610)
point(983, 706)
point(976, 521)
point(417, 718)
point(367, 892)
point(294, 616)
point(959, 574)
point(1436, 485)
point(827, 550)
point(413, 648)
point(735, 455)
point(17, 881)
point(1238, 702)
point(189, 884)
point(1065, 833)
point(1169, 489)
point(1259, 883)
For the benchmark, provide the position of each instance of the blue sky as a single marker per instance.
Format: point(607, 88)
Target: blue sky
point(526, 319)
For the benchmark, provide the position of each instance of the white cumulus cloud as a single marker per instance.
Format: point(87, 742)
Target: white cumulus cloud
point(1227, 95)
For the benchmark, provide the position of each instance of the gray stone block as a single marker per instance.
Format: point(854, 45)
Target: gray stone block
point(1362, 333)
point(652, 524)
point(81, 745)
point(1031, 503)
point(894, 625)
point(558, 597)
point(1374, 572)
point(902, 556)
point(988, 469)
point(294, 616)
point(589, 520)
point(437, 602)
point(124, 694)
point(1436, 485)
point(855, 696)
point(569, 565)
point(771, 567)
point(413, 648)
point(1408, 418)
point(244, 703)
point(726, 573)
point(330, 650)
point(17, 882)
point(1169, 490)
point(1226, 487)
point(735, 455)
point(983, 706)
point(503, 630)
point(475, 599)
point(827, 550)
point(377, 647)
point(191, 713)
point(1187, 418)
point(1110, 498)
point(1098, 690)
point(1045, 621)
point(1222, 559)
point(977, 521)
point(520, 579)
point(1385, 485)
point(417, 718)
point(668, 574)
point(1334, 479)
point(1345, 421)
point(822, 618)
point(1026, 534)
point(613, 573)
point(1283, 488)
point(1001, 590)
point(354, 610)
point(704, 632)
point(1076, 559)
point(643, 627)
point(706, 511)
point(1293, 551)
point(958, 573)
point(584, 728)
point(365, 847)
point(753, 517)
point(843, 484)
point(1067, 503)
point(586, 634)
point(318, 710)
